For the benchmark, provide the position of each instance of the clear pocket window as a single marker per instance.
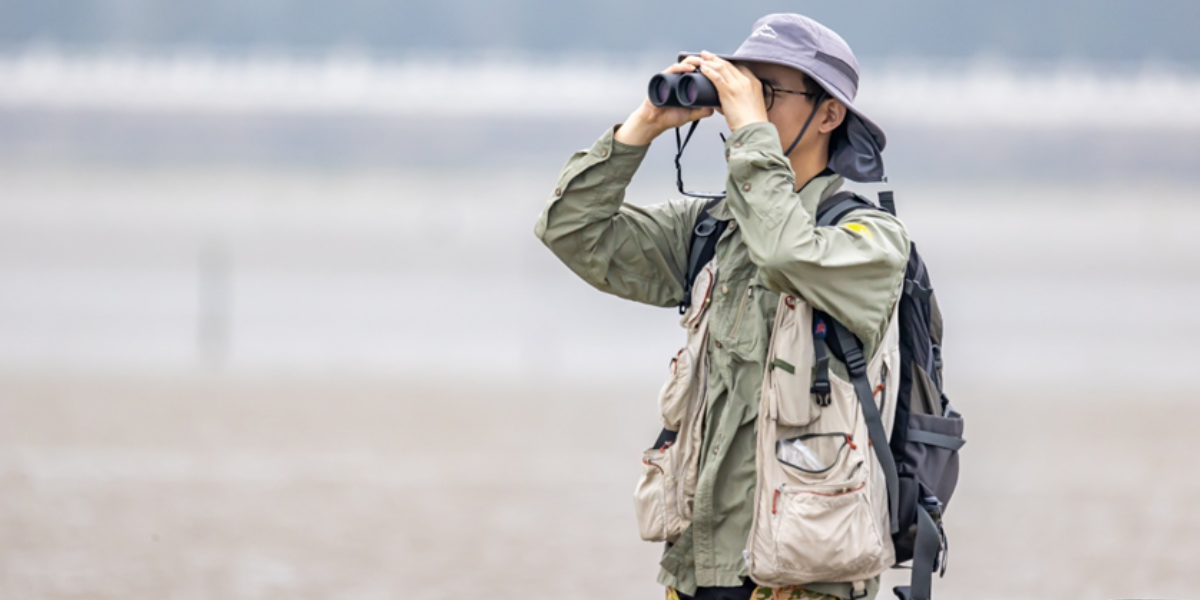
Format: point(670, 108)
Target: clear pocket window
point(813, 453)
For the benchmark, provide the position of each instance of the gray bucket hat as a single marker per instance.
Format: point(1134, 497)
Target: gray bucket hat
point(803, 44)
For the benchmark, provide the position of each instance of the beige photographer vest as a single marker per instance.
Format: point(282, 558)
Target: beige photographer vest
point(820, 506)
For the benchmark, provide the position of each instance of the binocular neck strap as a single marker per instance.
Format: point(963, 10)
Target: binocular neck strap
point(680, 144)
point(816, 105)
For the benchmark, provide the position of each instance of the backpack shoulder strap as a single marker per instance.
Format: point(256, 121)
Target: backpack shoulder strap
point(701, 249)
point(849, 349)
point(887, 201)
point(832, 209)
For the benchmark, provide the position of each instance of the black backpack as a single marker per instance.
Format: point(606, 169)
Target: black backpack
point(920, 462)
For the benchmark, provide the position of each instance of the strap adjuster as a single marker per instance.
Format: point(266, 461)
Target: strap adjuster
point(855, 363)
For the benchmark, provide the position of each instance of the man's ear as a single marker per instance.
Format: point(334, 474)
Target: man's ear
point(833, 112)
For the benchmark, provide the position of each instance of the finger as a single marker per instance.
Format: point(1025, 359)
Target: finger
point(709, 68)
point(732, 78)
point(713, 67)
point(727, 77)
point(716, 61)
point(709, 56)
point(687, 65)
point(733, 73)
point(751, 79)
point(714, 76)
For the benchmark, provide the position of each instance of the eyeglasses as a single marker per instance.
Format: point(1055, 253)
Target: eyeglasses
point(769, 92)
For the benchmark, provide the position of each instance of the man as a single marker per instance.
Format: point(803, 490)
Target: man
point(787, 95)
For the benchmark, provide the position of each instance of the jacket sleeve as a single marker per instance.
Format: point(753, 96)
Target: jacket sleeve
point(637, 253)
point(852, 271)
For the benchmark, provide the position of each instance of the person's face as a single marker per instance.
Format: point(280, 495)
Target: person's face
point(789, 111)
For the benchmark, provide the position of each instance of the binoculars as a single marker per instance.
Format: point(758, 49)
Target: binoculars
point(689, 90)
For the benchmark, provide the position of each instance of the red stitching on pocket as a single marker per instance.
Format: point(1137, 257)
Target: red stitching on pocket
point(841, 493)
point(648, 463)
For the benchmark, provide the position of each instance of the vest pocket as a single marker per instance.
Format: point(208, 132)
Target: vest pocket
point(822, 462)
point(826, 534)
point(672, 399)
point(655, 500)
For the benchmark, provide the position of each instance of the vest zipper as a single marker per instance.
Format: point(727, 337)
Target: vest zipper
point(882, 389)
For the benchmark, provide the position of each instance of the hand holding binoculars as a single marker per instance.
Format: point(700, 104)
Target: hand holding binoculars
point(689, 90)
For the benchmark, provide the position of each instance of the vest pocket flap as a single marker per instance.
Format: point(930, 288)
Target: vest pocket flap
point(789, 368)
point(794, 406)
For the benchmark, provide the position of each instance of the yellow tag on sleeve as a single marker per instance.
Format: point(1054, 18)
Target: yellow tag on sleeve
point(860, 228)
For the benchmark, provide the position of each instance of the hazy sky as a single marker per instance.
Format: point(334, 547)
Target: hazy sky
point(1087, 30)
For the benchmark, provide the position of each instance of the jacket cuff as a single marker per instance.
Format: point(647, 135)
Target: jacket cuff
point(624, 158)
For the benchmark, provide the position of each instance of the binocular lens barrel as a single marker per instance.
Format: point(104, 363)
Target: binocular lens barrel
point(662, 89)
point(695, 89)
point(691, 90)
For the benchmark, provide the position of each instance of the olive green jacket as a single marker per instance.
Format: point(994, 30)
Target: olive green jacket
point(852, 272)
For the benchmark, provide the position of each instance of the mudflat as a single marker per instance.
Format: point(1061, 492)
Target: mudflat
point(202, 487)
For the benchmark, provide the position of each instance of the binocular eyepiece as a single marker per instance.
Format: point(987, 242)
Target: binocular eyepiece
point(689, 90)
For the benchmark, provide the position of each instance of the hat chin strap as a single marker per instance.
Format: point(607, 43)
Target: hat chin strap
point(816, 105)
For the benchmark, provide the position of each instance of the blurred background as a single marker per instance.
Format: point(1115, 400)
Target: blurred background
point(274, 323)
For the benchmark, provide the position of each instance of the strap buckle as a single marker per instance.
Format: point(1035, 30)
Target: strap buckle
point(821, 388)
point(858, 589)
point(933, 505)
